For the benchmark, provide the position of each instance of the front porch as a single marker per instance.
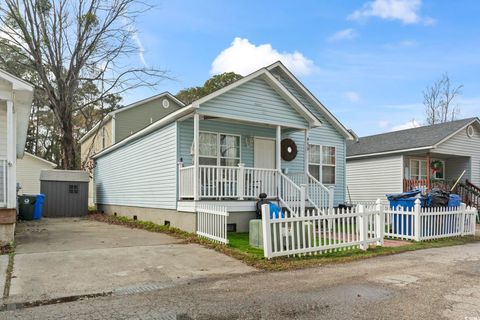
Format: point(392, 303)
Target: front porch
point(449, 173)
point(232, 161)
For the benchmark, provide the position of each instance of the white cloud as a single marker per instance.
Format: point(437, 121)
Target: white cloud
point(406, 11)
point(244, 57)
point(407, 125)
point(345, 34)
point(352, 96)
point(383, 124)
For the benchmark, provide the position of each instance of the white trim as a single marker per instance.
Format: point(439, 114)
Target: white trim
point(338, 124)
point(388, 152)
point(54, 165)
point(95, 127)
point(130, 106)
point(114, 120)
point(251, 121)
point(278, 148)
point(458, 131)
point(146, 100)
point(218, 156)
point(321, 164)
point(154, 126)
point(17, 83)
point(293, 101)
point(274, 83)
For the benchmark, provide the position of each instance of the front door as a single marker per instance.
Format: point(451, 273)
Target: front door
point(264, 153)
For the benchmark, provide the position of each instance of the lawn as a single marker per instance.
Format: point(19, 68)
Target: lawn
point(240, 249)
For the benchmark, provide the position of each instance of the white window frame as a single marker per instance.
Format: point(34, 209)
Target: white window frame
point(427, 167)
point(219, 156)
point(419, 177)
point(321, 164)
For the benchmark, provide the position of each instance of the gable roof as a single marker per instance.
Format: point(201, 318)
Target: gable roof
point(265, 74)
point(127, 107)
point(348, 133)
point(421, 138)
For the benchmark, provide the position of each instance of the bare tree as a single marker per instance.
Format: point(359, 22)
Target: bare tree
point(67, 43)
point(438, 100)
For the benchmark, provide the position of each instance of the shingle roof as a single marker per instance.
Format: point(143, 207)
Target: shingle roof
point(425, 136)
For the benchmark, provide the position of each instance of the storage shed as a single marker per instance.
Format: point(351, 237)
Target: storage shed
point(66, 193)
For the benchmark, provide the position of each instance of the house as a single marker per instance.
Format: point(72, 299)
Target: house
point(123, 122)
point(226, 148)
point(423, 157)
point(28, 173)
point(15, 103)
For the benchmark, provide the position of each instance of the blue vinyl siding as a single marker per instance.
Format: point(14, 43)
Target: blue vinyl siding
point(326, 135)
point(254, 101)
point(141, 173)
point(185, 129)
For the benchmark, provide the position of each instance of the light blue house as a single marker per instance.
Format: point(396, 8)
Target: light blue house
point(226, 148)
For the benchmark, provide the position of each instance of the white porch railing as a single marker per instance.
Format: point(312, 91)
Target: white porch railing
point(429, 223)
point(216, 182)
point(212, 222)
point(292, 196)
point(317, 193)
point(185, 179)
point(3, 183)
point(219, 182)
point(321, 232)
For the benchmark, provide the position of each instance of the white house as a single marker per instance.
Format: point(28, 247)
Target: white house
point(15, 103)
point(28, 173)
point(423, 157)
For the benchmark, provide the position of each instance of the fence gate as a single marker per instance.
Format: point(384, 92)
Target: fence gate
point(212, 222)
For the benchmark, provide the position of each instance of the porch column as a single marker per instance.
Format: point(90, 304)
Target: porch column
point(196, 135)
point(305, 155)
point(428, 171)
point(278, 148)
point(11, 157)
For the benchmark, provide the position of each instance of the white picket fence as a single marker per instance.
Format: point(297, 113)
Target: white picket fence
point(212, 222)
point(421, 224)
point(320, 231)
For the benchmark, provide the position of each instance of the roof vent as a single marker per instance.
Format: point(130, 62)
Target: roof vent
point(165, 103)
point(470, 131)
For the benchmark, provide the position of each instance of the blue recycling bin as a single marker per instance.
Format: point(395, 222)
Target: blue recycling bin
point(454, 200)
point(37, 213)
point(403, 224)
point(275, 211)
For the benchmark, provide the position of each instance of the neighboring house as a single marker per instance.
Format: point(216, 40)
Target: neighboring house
point(226, 148)
point(28, 173)
point(123, 122)
point(15, 103)
point(423, 157)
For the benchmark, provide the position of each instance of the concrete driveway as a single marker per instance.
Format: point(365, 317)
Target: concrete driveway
point(68, 257)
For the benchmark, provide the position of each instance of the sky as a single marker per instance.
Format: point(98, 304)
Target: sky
point(367, 61)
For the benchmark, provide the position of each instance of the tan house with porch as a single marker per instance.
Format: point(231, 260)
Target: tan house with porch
point(423, 157)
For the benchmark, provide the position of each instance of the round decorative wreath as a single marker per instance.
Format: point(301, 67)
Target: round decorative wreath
point(436, 166)
point(289, 149)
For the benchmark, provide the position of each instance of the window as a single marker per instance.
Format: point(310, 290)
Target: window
point(418, 169)
point(219, 149)
point(73, 188)
point(322, 163)
point(103, 138)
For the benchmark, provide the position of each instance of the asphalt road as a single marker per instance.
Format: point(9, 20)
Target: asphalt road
point(429, 284)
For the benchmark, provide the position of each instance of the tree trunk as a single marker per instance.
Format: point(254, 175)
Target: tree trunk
point(68, 144)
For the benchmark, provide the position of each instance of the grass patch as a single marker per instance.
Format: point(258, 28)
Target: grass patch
point(240, 249)
point(8, 276)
